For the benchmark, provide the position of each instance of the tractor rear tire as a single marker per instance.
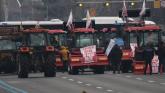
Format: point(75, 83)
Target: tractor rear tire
point(50, 67)
point(73, 71)
point(23, 66)
point(99, 70)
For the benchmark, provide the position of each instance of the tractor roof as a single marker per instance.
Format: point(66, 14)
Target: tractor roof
point(56, 31)
point(84, 30)
point(35, 30)
point(143, 28)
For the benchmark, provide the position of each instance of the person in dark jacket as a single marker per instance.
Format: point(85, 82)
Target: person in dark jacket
point(139, 54)
point(161, 56)
point(148, 56)
point(115, 58)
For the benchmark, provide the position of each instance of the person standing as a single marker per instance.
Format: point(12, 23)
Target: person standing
point(161, 56)
point(148, 56)
point(115, 58)
point(65, 56)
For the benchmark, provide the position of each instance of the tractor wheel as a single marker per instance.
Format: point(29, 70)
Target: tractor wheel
point(10, 67)
point(50, 67)
point(23, 66)
point(99, 70)
point(73, 71)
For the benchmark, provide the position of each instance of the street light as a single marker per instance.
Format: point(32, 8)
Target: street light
point(132, 3)
point(107, 4)
point(80, 4)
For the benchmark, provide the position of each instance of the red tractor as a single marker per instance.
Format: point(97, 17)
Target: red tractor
point(137, 36)
point(58, 37)
point(8, 49)
point(80, 38)
point(36, 53)
point(133, 34)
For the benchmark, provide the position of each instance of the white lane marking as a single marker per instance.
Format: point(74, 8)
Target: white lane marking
point(71, 79)
point(88, 84)
point(150, 81)
point(14, 82)
point(64, 77)
point(118, 75)
point(139, 78)
point(79, 82)
point(109, 90)
point(99, 87)
point(128, 76)
point(162, 83)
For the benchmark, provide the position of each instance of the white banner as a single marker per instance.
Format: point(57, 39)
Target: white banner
point(110, 46)
point(88, 53)
point(133, 46)
point(155, 64)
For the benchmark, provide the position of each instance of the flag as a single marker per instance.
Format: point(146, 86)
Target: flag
point(37, 25)
point(143, 11)
point(70, 21)
point(88, 22)
point(124, 10)
point(19, 4)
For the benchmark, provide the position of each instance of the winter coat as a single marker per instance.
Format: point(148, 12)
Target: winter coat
point(149, 53)
point(116, 54)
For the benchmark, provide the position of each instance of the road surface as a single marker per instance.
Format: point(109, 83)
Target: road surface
point(91, 83)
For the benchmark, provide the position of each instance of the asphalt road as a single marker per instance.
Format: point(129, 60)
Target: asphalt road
point(91, 83)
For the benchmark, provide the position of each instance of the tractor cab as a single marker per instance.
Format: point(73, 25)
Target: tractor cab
point(142, 35)
point(36, 53)
point(84, 37)
point(136, 38)
point(58, 38)
point(8, 49)
point(86, 52)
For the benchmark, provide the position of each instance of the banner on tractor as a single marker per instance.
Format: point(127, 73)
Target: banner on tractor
point(110, 46)
point(88, 53)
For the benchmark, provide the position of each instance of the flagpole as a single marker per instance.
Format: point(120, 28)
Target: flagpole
point(124, 13)
point(142, 13)
point(20, 7)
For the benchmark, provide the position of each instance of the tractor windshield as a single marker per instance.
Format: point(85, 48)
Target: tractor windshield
point(151, 37)
point(37, 39)
point(104, 38)
point(58, 40)
point(136, 38)
point(7, 45)
point(83, 40)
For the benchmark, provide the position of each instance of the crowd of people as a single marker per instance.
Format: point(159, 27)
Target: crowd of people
point(147, 53)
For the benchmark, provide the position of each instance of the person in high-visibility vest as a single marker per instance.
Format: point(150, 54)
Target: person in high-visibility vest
point(65, 56)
